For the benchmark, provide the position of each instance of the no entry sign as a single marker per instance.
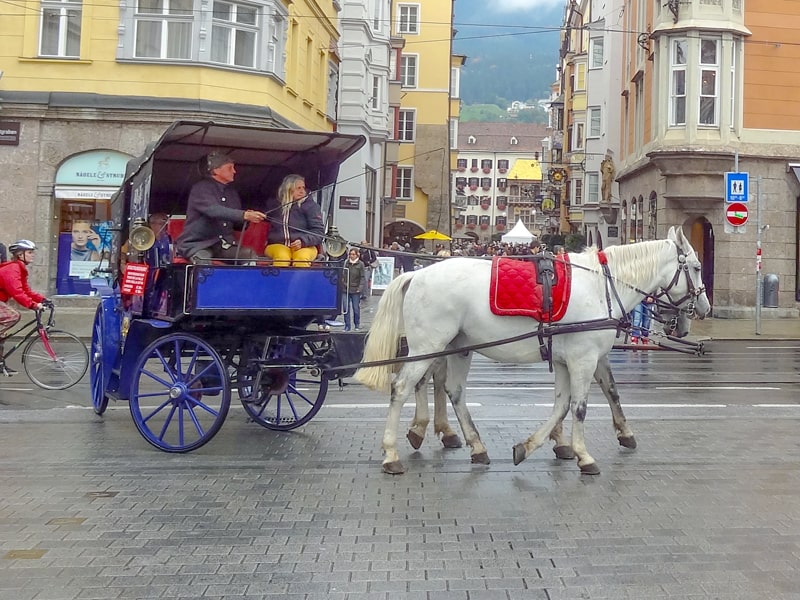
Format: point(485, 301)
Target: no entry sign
point(736, 213)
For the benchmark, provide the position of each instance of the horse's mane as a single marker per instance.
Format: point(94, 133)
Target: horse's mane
point(631, 262)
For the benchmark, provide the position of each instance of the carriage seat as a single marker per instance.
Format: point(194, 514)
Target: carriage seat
point(253, 237)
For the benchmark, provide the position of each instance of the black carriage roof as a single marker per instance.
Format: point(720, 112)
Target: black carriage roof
point(263, 156)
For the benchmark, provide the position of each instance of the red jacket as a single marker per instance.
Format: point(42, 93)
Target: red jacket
point(14, 284)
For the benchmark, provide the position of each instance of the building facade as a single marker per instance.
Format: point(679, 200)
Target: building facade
point(706, 87)
point(86, 86)
point(418, 187)
point(365, 78)
point(499, 180)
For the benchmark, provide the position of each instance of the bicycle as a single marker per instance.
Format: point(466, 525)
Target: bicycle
point(53, 359)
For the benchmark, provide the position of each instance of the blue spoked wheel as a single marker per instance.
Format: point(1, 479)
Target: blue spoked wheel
point(180, 394)
point(290, 388)
point(98, 379)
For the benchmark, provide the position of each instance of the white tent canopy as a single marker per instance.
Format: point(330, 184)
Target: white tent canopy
point(519, 234)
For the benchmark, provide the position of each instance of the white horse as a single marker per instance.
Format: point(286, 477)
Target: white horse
point(445, 307)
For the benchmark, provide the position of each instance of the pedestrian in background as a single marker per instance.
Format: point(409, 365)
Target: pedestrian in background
point(352, 299)
point(642, 316)
point(370, 260)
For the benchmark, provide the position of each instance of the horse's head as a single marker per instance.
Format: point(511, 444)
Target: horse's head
point(685, 295)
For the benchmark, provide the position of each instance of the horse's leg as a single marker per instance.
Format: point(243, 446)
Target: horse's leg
point(605, 378)
point(456, 386)
point(419, 424)
point(441, 426)
point(411, 375)
point(524, 449)
point(580, 380)
point(562, 447)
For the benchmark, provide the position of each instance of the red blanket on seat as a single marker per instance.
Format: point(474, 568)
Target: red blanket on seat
point(515, 291)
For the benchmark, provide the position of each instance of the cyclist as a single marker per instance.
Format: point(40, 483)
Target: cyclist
point(14, 284)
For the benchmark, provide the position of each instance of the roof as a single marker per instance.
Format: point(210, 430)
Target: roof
point(526, 169)
point(496, 137)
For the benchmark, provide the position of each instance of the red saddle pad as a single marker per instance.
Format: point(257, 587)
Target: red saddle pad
point(515, 291)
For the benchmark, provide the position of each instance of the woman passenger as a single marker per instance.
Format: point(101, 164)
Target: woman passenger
point(296, 228)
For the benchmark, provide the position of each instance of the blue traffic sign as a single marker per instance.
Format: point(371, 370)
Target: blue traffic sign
point(737, 187)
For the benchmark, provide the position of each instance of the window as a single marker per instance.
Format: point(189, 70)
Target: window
point(407, 18)
point(502, 183)
point(408, 70)
point(502, 165)
point(404, 183)
point(577, 136)
point(709, 78)
point(164, 29)
point(734, 117)
point(455, 82)
point(246, 35)
point(577, 192)
point(234, 34)
point(333, 90)
point(377, 15)
point(405, 125)
point(461, 183)
point(472, 201)
point(596, 53)
point(375, 100)
point(677, 93)
point(61, 29)
point(486, 164)
point(486, 183)
point(592, 188)
point(453, 134)
point(461, 164)
point(595, 124)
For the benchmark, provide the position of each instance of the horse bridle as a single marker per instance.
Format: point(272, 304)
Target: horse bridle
point(690, 297)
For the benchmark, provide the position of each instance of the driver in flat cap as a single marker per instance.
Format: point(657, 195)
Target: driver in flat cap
point(214, 208)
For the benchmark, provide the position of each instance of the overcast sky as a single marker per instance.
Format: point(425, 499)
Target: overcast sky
point(523, 5)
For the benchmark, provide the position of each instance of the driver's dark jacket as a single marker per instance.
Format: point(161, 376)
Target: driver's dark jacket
point(214, 208)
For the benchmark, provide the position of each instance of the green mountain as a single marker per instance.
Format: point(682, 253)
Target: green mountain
point(512, 53)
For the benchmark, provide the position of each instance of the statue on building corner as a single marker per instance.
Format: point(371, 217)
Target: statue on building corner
point(607, 173)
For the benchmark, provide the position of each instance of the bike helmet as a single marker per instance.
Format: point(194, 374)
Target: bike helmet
point(21, 246)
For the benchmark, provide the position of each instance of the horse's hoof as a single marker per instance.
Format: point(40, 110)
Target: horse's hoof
point(627, 442)
point(564, 452)
point(414, 439)
point(519, 453)
point(451, 441)
point(590, 469)
point(394, 468)
point(481, 458)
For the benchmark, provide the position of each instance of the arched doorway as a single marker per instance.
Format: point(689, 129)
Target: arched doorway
point(702, 238)
point(403, 233)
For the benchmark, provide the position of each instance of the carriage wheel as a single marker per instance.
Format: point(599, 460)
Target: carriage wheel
point(287, 397)
point(180, 393)
point(97, 371)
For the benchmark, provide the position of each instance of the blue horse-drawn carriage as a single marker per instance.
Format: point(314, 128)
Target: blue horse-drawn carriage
point(176, 343)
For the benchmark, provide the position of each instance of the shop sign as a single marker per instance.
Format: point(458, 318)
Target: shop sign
point(93, 168)
point(9, 133)
point(349, 202)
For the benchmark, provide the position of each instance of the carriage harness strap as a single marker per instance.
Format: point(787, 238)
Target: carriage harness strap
point(611, 288)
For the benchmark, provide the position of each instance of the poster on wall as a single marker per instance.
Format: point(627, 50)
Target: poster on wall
point(90, 245)
point(383, 274)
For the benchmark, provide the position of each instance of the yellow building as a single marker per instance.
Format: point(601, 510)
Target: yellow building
point(419, 184)
point(85, 86)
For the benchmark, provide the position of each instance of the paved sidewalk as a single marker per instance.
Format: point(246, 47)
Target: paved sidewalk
point(701, 510)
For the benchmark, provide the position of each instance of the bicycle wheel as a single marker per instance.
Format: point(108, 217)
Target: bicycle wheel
point(56, 362)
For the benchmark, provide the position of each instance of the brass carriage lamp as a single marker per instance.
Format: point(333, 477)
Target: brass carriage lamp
point(141, 237)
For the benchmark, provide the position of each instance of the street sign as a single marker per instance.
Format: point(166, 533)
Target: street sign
point(736, 214)
point(737, 187)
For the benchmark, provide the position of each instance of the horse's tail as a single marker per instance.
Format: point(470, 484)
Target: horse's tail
point(384, 335)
